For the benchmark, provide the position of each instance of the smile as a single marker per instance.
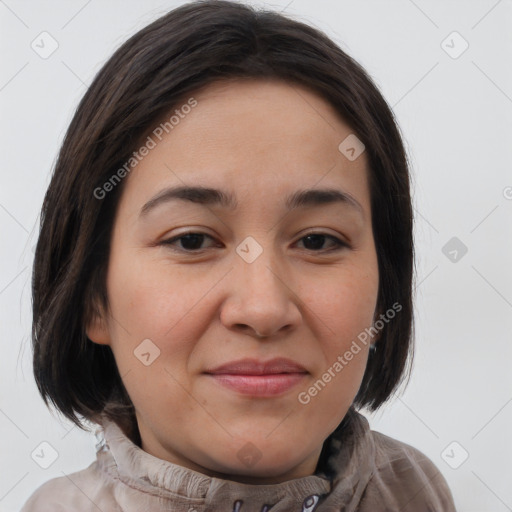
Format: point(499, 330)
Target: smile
point(260, 385)
point(258, 378)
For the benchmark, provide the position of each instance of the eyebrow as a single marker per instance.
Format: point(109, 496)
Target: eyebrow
point(212, 196)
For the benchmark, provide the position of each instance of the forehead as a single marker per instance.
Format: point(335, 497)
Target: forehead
point(255, 118)
point(252, 138)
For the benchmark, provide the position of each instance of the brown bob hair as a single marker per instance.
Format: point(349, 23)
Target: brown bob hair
point(189, 48)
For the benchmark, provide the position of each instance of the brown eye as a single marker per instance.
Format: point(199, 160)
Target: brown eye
point(315, 242)
point(190, 242)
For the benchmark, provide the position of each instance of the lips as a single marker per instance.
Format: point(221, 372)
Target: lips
point(255, 367)
point(259, 378)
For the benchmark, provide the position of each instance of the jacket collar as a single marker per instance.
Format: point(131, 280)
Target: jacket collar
point(343, 471)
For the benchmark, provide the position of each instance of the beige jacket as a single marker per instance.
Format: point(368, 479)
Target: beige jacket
point(359, 471)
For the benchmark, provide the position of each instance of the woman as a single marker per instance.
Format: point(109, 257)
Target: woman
point(223, 276)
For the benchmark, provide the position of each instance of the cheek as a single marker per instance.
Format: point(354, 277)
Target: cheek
point(343, 301)
point(141, 296)
point(344, 308)
point(153, 300)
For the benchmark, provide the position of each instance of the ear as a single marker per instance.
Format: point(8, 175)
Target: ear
point(97, 329)
point(375, 339)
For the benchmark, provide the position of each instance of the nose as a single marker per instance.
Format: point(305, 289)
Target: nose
point(261, 301)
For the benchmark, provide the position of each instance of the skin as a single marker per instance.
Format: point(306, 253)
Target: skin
point(259, 140)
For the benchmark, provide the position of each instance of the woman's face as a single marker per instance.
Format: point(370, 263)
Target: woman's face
point(185, 313)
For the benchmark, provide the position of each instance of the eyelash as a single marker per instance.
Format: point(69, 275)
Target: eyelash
point(169, 242)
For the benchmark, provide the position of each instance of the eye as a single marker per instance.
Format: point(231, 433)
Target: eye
point(315, 242)
point(192, 242)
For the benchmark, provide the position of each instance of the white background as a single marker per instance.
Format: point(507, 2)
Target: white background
point(456, 117)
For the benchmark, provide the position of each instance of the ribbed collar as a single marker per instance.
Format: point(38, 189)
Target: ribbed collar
point(343, 471)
